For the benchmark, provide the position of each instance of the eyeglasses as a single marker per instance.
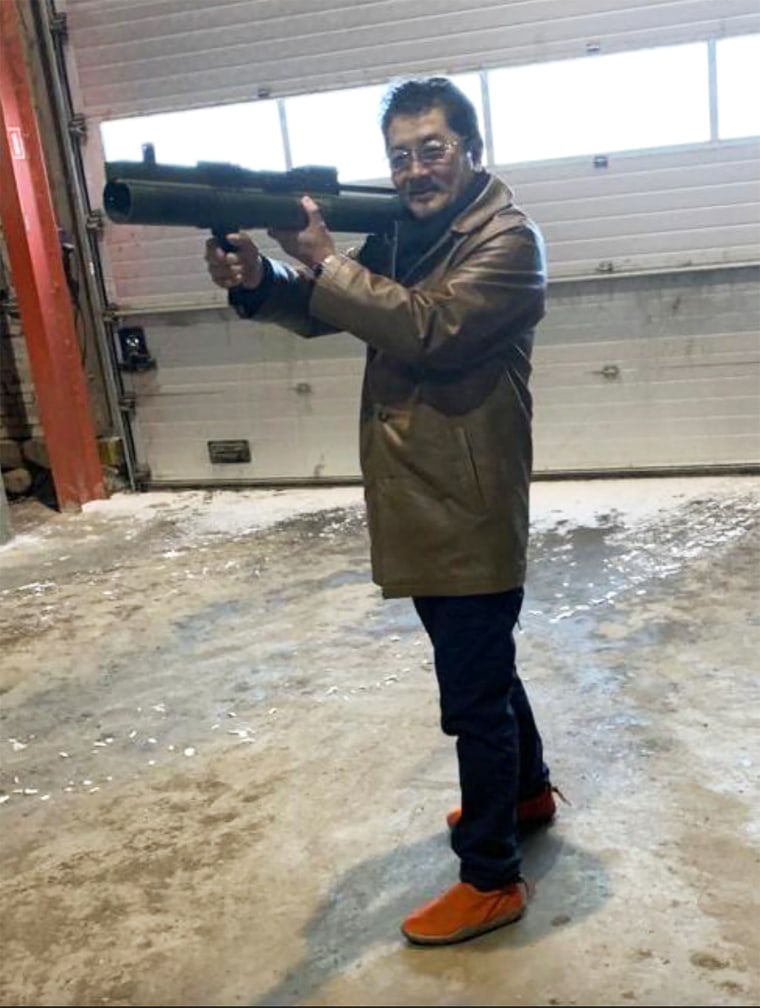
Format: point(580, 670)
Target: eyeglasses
point(432, 152)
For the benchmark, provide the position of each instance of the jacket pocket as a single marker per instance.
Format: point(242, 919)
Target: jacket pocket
point(470, 467)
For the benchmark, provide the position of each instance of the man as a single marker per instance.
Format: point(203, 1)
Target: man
point(447, 310)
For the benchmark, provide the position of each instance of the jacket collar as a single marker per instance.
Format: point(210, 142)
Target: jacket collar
point(496, 196)
point(493, 197)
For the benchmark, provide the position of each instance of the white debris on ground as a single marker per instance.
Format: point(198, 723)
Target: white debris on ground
point(649, 549)
point(205, 513)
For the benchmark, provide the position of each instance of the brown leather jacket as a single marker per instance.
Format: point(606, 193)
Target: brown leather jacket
point(445, 433)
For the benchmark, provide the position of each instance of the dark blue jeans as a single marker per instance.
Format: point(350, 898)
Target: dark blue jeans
point(484, 704)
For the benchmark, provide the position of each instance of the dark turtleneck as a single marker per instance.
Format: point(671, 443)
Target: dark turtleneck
point(415, 236)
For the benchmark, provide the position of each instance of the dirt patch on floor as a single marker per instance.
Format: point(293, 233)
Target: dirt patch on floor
point(223, 779)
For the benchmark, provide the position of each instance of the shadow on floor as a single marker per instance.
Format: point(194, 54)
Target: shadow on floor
point(366, 905)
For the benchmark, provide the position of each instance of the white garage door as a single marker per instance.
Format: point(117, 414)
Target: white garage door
point(657, 369)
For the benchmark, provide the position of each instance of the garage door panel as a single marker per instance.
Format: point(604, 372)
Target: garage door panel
point(219, 378)
point(678, 398)
point(184, 52)
point(622, 452)
point(689, 398)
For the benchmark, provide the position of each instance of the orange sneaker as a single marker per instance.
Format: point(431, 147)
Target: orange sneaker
point(463, 912)
point(531, 812)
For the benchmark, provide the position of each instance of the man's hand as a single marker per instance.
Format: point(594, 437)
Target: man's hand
point(242, 268)
point(310, 246)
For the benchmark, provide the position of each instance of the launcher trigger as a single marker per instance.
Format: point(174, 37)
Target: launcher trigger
point(221, 236)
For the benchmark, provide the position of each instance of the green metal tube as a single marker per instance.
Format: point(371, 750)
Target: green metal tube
point(224, 209)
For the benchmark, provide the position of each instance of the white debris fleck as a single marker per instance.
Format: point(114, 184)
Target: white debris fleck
point(31, 791)
point(161, 708)
point(63, 755)
point(562, 614)
point(331, 690)
point(170, 748)
point(94, 789)
point(394, 637)
point(391, 678)
point(99, 745)
point(214, 726)
point(4, 798)
point(151, 762)
point(18, 746)
point(271, 711)
point(44, 797)
point(151, 741)
point(86, 783)
point(189, 751)
point(231, 713)
point(133, 733)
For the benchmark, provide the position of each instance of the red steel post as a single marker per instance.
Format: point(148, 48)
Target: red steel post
point(31, 237)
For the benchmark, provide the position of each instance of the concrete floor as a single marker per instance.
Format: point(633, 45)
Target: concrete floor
point(222, 779)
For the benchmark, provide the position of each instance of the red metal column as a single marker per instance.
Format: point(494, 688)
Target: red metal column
point(31, 236)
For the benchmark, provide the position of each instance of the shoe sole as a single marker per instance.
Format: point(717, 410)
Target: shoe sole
point(464, 934)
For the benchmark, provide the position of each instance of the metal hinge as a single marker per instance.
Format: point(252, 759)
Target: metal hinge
point(608, 371)
point(142, 475)
point(110, 313)
point(94, 221)
point(59, 26)
point(78, 126)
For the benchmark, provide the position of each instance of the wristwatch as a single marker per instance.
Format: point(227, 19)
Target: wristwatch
point(318, 268)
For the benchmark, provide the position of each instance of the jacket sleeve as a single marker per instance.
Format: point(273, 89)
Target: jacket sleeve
point(282, 299)
point(497, 286)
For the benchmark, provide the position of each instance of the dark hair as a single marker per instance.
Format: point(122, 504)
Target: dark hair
point(416, 96)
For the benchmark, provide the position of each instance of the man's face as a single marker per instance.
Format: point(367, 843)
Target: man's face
point(429, 165)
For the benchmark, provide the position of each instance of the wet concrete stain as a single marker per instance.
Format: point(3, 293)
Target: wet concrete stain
point(310, 817)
